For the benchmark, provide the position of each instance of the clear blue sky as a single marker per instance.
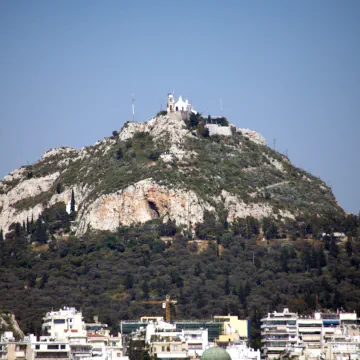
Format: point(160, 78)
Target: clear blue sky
point(288, 69)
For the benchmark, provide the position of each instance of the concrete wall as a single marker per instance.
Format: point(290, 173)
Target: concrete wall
point(215, 129)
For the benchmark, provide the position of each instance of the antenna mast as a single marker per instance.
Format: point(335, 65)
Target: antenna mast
point(221, 108)
point(133, 107)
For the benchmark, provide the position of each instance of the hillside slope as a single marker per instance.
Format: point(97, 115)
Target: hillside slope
point(166, 169)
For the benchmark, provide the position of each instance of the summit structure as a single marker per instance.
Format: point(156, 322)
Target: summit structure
point(179, 106)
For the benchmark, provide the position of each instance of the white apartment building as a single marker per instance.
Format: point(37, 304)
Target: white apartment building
point(106, 346)
point(67, 339)
point(197, 341)
point(167, 342)
point(322, 335)
point(48, 348)
point(343, 350)
point(64, 323)
point(278, 331)
point(310, 331)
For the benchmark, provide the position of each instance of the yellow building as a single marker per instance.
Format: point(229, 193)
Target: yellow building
point(233, 328)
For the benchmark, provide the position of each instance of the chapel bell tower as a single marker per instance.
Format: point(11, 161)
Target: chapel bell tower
point(170, 104)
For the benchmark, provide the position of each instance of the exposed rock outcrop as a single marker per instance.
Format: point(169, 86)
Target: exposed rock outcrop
point(252, 135)
point(9, 323)
point(26, 189)
point(140, 202)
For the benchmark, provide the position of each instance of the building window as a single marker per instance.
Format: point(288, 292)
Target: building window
point(53, 347)
point(118, 355)
point(62, 346)
point(59, 321)
point(37, 347)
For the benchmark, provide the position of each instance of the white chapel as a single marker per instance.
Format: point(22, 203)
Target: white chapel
point(179, 106)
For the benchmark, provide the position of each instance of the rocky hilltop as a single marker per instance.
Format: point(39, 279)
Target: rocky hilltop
point(169, 169)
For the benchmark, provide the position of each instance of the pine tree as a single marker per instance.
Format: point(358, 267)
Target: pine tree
point(146, 290)
point(197, 269)
point(23, 226)
point(349, 247)
point(182, 298)
point(41, 235)
point(119, 154)
point(322, 257)
point(227, 287)
point(242, 295)
point(27, 226)
point(334, 250)
point(31, 279)
point(1, 235)
point(129, 281)
point(72, 203)
point(247, 288)
point(43, 280)
point(17, 229)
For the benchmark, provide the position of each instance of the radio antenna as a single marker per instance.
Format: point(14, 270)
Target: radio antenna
point(133, 107)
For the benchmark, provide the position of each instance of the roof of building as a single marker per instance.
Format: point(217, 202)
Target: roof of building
point(215, 353)
point(95, 335)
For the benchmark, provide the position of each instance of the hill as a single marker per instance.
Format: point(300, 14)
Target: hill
point(224, 224)
point(167, 169)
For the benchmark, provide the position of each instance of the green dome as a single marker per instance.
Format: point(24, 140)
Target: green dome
point(215, 353)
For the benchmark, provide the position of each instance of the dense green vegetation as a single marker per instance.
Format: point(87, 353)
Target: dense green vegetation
point(111, 273)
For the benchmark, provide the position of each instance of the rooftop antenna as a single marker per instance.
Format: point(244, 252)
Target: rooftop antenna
point(133, 107)
point(274, 144)
point(221, 108)
point(287, 153)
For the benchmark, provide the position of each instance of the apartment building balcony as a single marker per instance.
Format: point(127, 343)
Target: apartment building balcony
point(282, 341)
point(80, 348)
point(278, 332)
point(47, 355)
point(278, 324)
point(313, 330)
point(311, 338)
point(273, 348)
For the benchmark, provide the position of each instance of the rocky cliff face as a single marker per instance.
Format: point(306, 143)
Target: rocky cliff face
point(162, 169)
point(143, 201)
